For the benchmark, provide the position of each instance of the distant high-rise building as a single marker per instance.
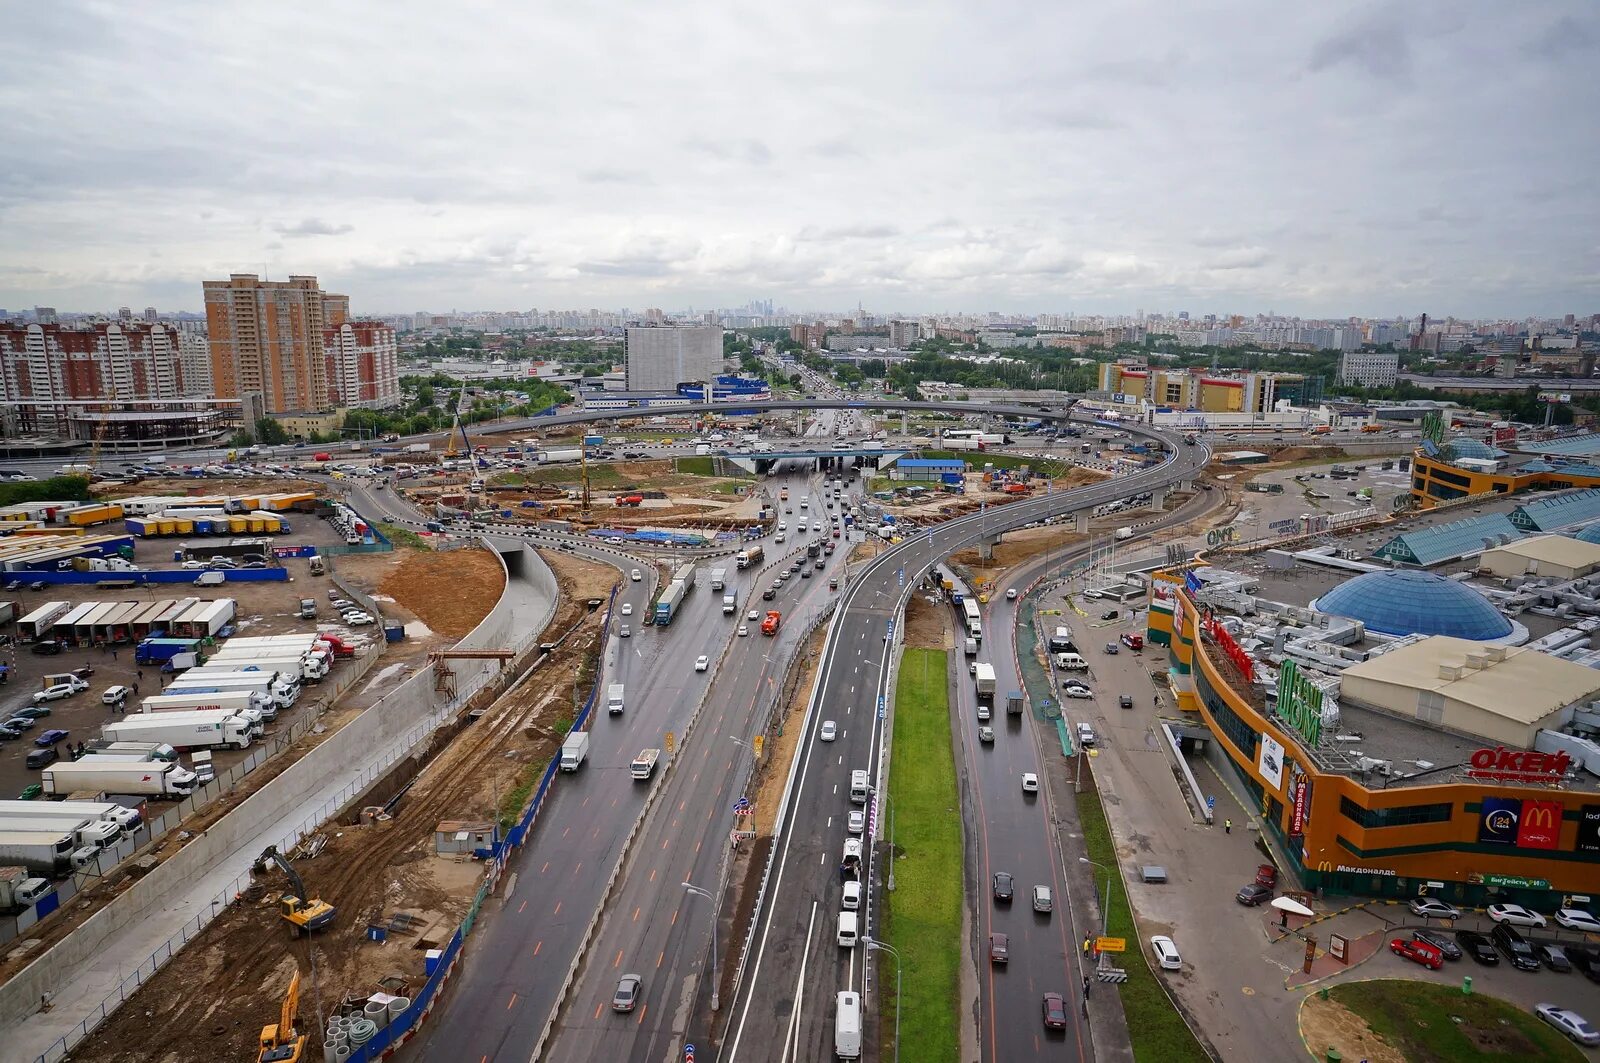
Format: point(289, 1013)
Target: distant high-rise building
point(194, 352)
point(125, 314)
point(45, 315)
point(46, 368)
point(363, 364)
point(150, 315)
point(267, 340)
point(659, 358)
point(904, 333)
point(1369, 369)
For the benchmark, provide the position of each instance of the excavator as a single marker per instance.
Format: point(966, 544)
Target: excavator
point(280, 1043)
point(304, 914)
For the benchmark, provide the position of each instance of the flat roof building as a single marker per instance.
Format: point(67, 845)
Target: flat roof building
point(1551, 556)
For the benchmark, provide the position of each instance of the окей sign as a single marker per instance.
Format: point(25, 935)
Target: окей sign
point(1511, 765)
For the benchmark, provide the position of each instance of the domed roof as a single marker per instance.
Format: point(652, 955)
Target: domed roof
point(1404, 602)
point(1591, 534)
point(1467, 447)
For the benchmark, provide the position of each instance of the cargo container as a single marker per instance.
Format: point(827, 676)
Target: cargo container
point(86, 830)
point(548, 457)
point(667, 605)
point(574, 750)
point(719, 578)
point(984, 672)
point(124, 817)
point(182, 730)
point(206, 620)
point(1014, 703)
point(157, 650)
point(152, 778)
point(148, 750)
point(37, 624)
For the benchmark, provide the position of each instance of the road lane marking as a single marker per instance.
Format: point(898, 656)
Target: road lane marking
point(618, 960)
point(512, 1002)
point(597, 1008)
point(557, 911)
point(545, 868)
point(537, 946)
point(636, 912)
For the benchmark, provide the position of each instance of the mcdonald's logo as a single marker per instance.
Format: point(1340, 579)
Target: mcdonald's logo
point(1540, 826)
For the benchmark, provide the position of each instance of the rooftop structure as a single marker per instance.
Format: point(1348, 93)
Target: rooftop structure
point(1403, 602)
point(1555, 512)
point(1449, 542)
point(1549, 556)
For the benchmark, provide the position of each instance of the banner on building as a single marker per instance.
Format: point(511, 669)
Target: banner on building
point(1270, 762)
point(1302, 802)
point(1540, 825)
point(1498, 820)
point(1588, 829)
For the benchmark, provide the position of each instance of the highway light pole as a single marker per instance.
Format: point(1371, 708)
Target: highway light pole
point(698, 892)
point(890, 799)
point(874, 945)
point(1105, 901)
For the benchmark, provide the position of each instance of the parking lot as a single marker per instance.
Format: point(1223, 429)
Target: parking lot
point(266, 608)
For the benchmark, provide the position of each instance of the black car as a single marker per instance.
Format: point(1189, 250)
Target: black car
point(1253, 894)
point(1002, 887)
point(1438, 940)
point(1478, 947)
point(47, 648)
point(1553, 957)
point(1516, 948)
point(1585, 960)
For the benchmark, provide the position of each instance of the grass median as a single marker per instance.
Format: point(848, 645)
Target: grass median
point(1430, 1022)
point(1158, 1031)
point(923, 915)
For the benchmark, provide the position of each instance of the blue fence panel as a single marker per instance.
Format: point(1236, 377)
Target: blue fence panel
point(156, 575)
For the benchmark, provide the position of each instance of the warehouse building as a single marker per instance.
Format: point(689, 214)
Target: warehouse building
point(1557, 557)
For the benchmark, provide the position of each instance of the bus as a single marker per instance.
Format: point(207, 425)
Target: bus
point(969, 609)
point(972, 439)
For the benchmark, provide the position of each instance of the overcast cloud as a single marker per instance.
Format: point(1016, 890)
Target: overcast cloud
point(920, 156)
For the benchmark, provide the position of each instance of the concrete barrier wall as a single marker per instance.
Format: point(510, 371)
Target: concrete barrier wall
point(274, 805)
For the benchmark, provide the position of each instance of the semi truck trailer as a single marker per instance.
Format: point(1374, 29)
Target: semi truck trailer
point(152, 778)
point(200, 729)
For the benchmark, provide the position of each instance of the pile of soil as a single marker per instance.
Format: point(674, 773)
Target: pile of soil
point(450, 592)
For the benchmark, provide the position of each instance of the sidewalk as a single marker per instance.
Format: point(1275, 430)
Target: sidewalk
point(133, 952)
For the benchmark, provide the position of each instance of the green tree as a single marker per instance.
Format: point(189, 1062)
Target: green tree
point(269, 431)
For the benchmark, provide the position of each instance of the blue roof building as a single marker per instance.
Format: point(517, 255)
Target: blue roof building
point(928, 470)
point(1448, 542)
point(1402, 602)
point(1558, 511)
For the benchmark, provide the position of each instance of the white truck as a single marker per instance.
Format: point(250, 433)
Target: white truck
point(985, 674)
point(144, 750)
point(719, 578)
point(306, 668)
point(126, 818)
point(235, 700)
point(118, 777)
point(86, 830)
point(644, 765)
point(181, 730)
point(614, 699)
point(574, 750)
point(282, 693)
point(1124, 533)
point(48, 853)
point(20, 890)
point(730, 604)
point(750, 555)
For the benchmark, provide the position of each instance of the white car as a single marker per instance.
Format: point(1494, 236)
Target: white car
point(1515, 914)
point(624, 631)
point(1076, 690)
point(60, 690)
point(1568, 1022)
point(851, 900)
point(627, 608)
point(1011, 594)
point(754, 614)
point(828, 732)
point(1578, 919)
point(701, 663)
point(744, 630)
point(856, 821)
point(193, 565)
point(359, 620)
point(636, 575)
point(1086, 735)
point(1030, 783)
point(1166, 951)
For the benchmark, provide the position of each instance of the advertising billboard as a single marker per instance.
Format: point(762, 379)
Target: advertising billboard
point(1498, 820)
point(1302, 801)
point(1588, 829)
point(1540, 825)
point(1270, 762)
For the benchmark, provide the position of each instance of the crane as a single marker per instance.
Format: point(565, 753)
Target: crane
point(457, 428)
point(303, 913)
point(280, 1043)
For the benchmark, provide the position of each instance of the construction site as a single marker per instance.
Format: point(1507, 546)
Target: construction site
point(344, 923)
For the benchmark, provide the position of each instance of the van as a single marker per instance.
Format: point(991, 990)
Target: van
point(847, 1025)
point(1071, 662)
point(114, 695)
point(972, 647)
point(848, 935)
point(860, 786)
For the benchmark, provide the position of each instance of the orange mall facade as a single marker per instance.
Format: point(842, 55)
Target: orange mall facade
point(1470, 842)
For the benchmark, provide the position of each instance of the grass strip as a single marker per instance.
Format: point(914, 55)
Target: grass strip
point(1158, 1030)
point(923, 915)
point(1433, 1023)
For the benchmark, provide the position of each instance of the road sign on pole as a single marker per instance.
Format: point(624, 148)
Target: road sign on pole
point(1111, 944)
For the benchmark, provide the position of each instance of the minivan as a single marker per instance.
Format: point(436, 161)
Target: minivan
point(1071, 662)
point(860, 787)
point(847, 1025)
point(847, 930)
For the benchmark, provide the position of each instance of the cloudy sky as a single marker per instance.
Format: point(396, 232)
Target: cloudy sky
point(1050, 156)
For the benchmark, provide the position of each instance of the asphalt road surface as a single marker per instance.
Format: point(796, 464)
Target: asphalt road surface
point(795, 967)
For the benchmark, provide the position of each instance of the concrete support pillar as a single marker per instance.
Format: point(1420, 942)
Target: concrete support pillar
point(1081, 522)
point(1158, 499)
point(986, 549)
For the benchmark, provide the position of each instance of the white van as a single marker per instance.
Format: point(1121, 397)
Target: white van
point(860, 786)
point(847, 930)
point(847, 1025)
point(1071, 662)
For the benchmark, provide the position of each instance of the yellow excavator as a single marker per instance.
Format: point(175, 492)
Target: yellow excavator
point(280, 1043)
point(303, 913)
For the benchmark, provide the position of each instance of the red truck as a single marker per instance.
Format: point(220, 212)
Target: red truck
point(321, 456)
point(629, 500)
point(1016, 489)
point(769, 626)
point(1132, 641)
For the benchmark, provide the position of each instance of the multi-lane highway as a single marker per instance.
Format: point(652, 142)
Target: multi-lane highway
point(794, 968)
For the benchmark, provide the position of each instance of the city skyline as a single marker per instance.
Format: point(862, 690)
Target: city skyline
point(1371, 162)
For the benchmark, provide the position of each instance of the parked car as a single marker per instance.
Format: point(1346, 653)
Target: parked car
point(1585, 961)
point(9, 734)
point(1553, 957)
point(1429, 908)
point(56, 691)
point(33, 712)
point(1003, 890)
point(20, 723)
point(47, 648)
point(1516, 915)
point(1439, 940)
point(1478, 947)
point(1577, 919)
point(856, 821)
point(1086, 736)
point(1517, 951)
point(1072, 688)
point(1568, 1022)
point(1055, 1012)
point(51, 737)
point(1253, 894)
point(1166, 951)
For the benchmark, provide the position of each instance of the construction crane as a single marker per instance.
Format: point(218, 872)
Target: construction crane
point(457, 428)
point(280, 1043)
point(303, 913)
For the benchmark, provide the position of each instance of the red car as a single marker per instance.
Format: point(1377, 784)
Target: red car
point(1417, 952)
point(1055, 1012)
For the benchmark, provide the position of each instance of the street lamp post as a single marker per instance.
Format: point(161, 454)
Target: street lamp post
point(889, 798)
point(698, 892)
point(874, 945)
point(1105, 902)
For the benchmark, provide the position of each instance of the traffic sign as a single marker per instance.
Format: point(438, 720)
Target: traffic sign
point(672, 741)
point(688, 1054)
point(1111, 944)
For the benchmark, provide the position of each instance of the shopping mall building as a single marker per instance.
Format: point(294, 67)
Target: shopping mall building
point(1399, 735)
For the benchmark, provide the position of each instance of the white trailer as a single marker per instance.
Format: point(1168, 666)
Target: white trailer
point(38, 623)
point(230, 700)
point(118, 777)
point(181, 730)
point(47, 853)
point(305, 669)
point(86, 830)
point(122, 815)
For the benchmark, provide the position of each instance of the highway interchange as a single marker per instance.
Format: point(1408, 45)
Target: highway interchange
point(512, 981)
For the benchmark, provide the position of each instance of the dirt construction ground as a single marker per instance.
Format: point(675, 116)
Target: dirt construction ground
point(1329, 1024)
point(371, 871)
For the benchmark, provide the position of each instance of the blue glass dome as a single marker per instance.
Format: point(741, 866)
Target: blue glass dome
point(1591, 534)
point(1467, 447)
point(1403, 602)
